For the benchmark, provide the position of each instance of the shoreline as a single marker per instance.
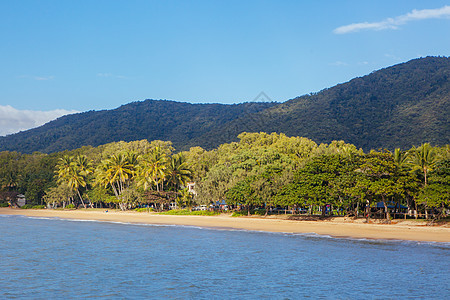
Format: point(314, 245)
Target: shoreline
point(338, 227)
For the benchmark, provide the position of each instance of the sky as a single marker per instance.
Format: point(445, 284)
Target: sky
point(60, 57)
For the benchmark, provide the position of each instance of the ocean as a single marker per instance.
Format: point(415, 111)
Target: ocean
point(54, 259)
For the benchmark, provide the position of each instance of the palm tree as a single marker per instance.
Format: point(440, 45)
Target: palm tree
point(117, 170)
point(71, 173)
point(400, 158)
point(185, 198)
point(423, 158)
point(83, 165)
point(75, 180)
point(178, 172)
point(64, 166)
point(152, 169)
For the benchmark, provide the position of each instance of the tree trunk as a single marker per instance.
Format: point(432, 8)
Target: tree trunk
point(415, 212)
point(79, 195)
point(388, 217)
point(368, 211)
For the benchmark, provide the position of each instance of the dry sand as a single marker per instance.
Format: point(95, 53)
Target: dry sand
point(338, 227)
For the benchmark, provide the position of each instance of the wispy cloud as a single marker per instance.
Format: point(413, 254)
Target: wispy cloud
point(14, 120)
point(394, 23)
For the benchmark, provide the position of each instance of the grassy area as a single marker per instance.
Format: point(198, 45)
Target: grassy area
point(186, 212)
point(144, 209)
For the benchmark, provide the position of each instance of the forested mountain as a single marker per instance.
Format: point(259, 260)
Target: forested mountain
point(400, 106)
point(151, 119)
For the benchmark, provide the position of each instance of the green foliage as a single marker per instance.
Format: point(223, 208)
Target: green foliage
point(27, 206)
point(3, 204)
point(70, 206)
point(144, 209)
point(38, 207)
point(186, 212)
point(239, 213)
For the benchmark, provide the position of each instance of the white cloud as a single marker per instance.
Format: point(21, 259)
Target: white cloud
point(13, 120)
point(394, 23)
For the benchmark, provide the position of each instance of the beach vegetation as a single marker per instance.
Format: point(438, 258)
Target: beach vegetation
point(261, 173)
point(187, 212)
point(27, 206)
point(144, 209)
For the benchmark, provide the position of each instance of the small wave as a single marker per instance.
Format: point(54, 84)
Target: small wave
point(41, 218)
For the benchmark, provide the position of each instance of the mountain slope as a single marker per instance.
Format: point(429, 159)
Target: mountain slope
point(150, 119)
point(399, 106)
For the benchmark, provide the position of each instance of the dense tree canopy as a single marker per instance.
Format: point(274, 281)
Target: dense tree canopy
point(261, 170)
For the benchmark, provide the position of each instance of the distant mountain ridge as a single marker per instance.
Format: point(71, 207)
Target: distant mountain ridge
point(150, 119)
point(399, 106)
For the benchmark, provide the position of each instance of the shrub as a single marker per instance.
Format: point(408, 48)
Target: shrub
point(239, 213)
point(259, 212)
point(26, 206)
point(144, 209)
point(38, 207)
point(70, 206)
point(4, 204)
point(186, 212)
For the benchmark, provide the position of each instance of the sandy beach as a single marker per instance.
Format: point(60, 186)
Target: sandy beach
point(337, 227)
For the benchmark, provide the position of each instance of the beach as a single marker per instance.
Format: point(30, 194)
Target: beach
point(337, 227)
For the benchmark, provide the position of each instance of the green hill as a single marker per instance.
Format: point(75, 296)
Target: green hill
point(399, 106)
point(151, 119)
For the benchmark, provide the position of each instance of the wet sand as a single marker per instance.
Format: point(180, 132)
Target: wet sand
point(338, 227)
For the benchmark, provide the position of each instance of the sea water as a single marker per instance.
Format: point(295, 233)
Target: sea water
point(54, 258)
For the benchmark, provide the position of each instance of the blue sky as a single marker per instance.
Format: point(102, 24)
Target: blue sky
point(63, 56)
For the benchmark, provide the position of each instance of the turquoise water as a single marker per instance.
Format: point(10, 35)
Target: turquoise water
point(53, 258)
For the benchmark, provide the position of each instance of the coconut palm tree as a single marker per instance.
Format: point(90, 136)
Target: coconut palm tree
point(423, 158)
point(117, 171)
point(178, 172)
point(185, 198)
point(64, 166)
point(153, 169)
point(69, 172)
point(400, 158)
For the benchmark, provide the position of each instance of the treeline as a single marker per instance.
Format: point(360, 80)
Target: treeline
point(260, 171)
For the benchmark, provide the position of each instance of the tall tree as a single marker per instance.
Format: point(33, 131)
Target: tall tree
point(178, 172)
point(71, 173)
point(117, 171)
point(152, 170)
point(423, 158)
